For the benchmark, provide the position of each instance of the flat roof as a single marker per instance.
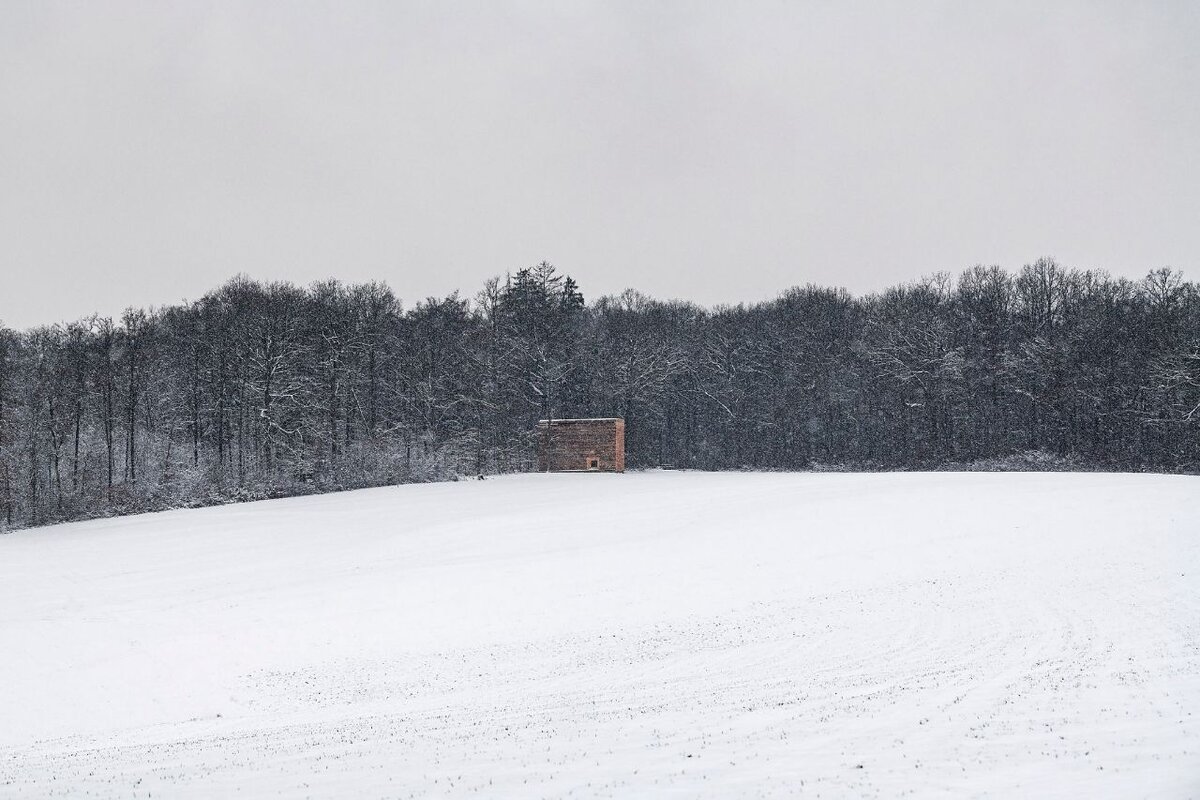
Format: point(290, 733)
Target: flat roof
point(589, 419)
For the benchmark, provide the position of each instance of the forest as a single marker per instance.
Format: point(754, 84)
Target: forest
point(261, 390)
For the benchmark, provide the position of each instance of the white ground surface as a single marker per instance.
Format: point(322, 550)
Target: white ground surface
point(645, 635)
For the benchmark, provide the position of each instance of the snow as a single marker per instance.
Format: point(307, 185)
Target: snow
point(660, 634)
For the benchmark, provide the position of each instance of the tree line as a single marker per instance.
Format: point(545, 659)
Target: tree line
point(267, 389)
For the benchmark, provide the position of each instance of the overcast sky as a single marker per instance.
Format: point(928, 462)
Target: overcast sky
point(718, 152)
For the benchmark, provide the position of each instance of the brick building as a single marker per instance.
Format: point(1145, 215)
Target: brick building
point(581, 445)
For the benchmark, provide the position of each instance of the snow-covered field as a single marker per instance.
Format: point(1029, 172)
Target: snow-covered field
point(649, 635)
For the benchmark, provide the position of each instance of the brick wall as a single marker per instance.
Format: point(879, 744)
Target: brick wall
point(582, 444)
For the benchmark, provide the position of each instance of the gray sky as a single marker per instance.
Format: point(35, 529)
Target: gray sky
point(714, 152)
